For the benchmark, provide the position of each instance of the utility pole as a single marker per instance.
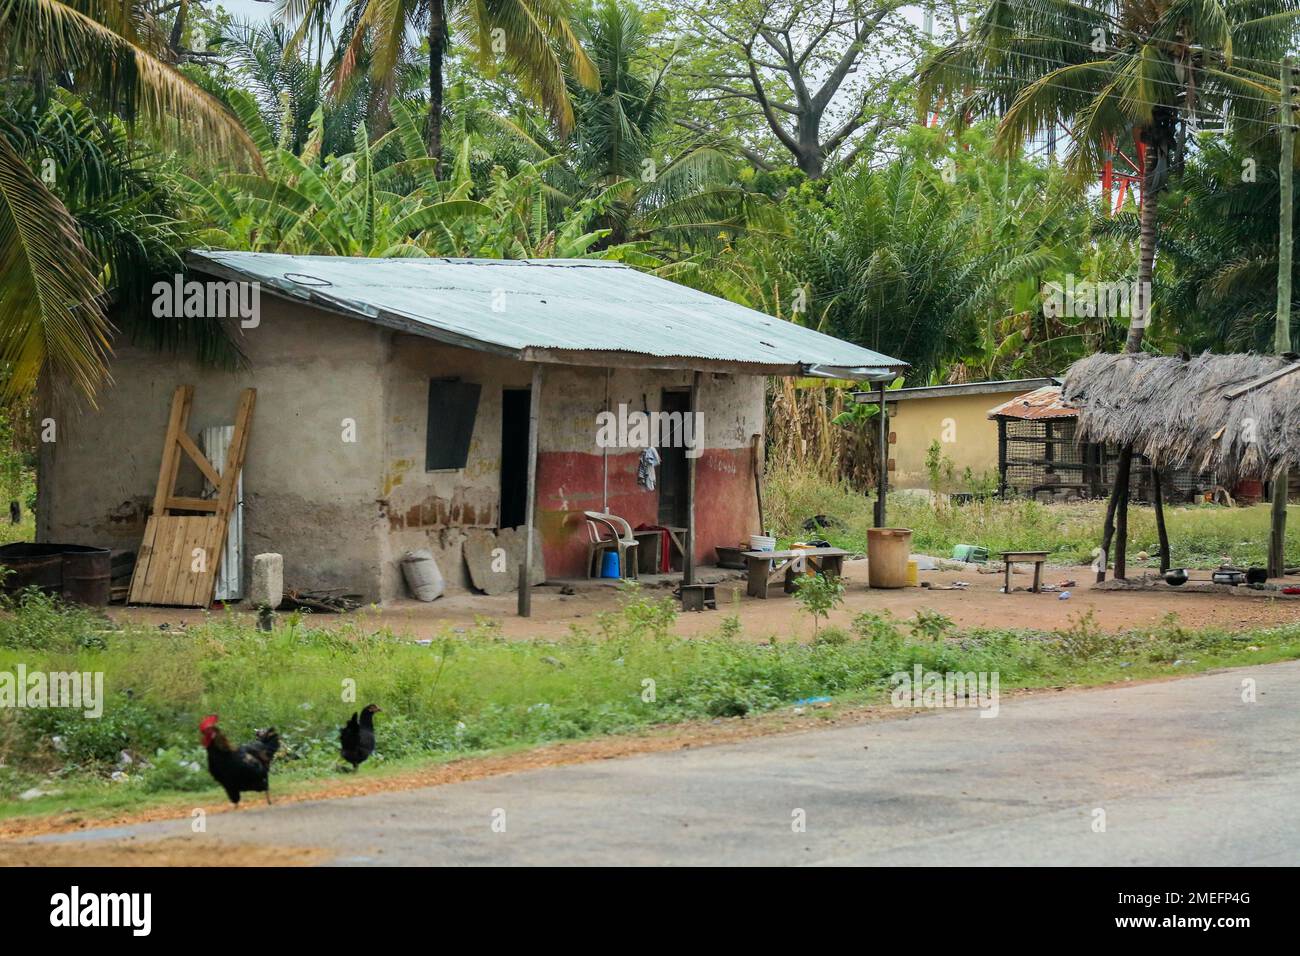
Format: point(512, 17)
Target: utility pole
point(1282, 331)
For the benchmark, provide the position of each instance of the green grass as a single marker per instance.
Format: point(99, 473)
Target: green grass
point(1200, 536)
point(24, 531)
point(475, 693)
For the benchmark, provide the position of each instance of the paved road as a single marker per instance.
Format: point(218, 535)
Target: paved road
point(1185, 772)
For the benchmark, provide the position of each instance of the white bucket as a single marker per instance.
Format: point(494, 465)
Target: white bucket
point(761, 542)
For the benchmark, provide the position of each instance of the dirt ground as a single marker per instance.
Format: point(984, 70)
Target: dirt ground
point(980, 605)
point(171, 852)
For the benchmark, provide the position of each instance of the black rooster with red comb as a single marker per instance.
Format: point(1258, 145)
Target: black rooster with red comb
point(247, 769)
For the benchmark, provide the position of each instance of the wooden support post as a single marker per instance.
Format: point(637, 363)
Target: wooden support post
point(1162, 532)
point(1122, 469)
point(883, 482)
point(1282, 329)
point(1121, 523)
point(1002, 458)
point(530, 507)
point(688, 560)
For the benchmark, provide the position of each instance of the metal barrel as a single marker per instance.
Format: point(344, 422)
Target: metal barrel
point(87, 576)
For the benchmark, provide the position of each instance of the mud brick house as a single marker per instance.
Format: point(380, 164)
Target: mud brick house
point(414, 403)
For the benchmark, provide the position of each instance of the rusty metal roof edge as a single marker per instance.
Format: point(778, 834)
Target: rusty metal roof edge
point(1039, 404)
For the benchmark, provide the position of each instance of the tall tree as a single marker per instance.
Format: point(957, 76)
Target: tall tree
point(618, 143)
point(1220, 233)
point(1109, 70)
point(800, 69)
point(533, 40)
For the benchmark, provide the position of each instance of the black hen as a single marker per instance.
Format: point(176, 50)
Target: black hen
point(357, 737)
point(245, 769)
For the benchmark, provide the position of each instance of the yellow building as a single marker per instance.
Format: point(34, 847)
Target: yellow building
point(946, 428)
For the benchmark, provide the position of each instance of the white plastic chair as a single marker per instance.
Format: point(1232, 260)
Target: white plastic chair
point(607, 532)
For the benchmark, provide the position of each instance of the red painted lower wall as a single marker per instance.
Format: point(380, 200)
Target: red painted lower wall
point(569, 483)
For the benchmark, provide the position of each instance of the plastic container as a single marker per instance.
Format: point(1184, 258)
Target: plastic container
point(913, 577)
point(422, 575)
point(609, 565)
point(970, 553)
point(761, 542)
point(888, 553)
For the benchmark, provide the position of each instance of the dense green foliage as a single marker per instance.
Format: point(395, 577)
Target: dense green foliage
point(657, 134)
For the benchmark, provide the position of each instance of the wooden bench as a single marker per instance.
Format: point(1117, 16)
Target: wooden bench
point(1024, 557)
point(765, 566)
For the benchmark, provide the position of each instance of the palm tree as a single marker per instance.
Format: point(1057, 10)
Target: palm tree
point(120, 195)
point(1107, 70)
point(1110, 69)
point(1221, 234)
point(258, 58)
point(532, 39)
point(52, 285)
point(617, 143)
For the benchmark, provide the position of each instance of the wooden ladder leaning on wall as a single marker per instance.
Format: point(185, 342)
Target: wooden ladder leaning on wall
point(178, 559)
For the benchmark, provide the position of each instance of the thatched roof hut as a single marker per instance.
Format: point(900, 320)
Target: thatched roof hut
point(1235, 415)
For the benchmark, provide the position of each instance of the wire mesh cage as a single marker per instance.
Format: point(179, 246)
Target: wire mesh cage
point(1041, 458)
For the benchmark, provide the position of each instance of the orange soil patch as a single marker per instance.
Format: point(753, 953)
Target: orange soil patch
point(177, 851)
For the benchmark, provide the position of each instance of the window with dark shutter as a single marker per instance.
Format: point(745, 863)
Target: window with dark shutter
point(453, 405)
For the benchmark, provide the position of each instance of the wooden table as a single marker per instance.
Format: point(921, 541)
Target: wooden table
point(677, 538)
point(765, 566)
point(649, 552)
point(1037, 557)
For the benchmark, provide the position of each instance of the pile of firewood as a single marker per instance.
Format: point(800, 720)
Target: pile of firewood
point(328, 602)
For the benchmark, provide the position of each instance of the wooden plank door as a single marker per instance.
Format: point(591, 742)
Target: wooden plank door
point(180, 553)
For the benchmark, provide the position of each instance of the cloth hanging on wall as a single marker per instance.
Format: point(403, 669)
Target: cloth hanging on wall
point(645, 469)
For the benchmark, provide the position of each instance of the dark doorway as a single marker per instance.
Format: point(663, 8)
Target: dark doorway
point(514, 456)
point(672, 473)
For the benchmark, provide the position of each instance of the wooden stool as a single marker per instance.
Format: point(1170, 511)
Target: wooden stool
point(1037, 557)
point(696, 597)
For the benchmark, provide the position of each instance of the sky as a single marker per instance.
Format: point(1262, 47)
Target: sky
point(248, 9)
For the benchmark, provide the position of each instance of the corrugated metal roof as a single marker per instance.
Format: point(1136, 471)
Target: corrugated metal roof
point(913, 392)
point(1039, 404)
point(551, 310)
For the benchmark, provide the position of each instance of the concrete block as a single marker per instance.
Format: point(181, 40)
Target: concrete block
point(493, 559)
point(266, 586)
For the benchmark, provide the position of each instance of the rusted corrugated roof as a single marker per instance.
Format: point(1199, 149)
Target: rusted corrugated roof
point(1045, 402)
point(572, 311)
